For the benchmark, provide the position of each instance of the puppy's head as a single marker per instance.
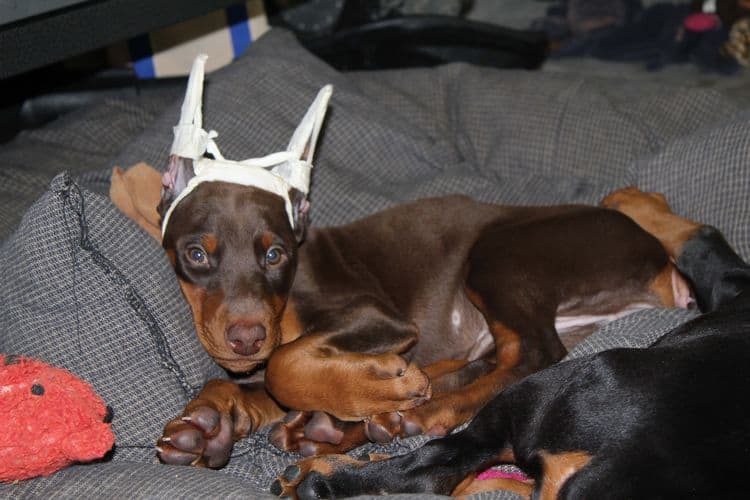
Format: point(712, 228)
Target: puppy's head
point(235, 255)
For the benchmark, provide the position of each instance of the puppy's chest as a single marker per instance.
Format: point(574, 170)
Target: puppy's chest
point(349, 290)
point(449, 325)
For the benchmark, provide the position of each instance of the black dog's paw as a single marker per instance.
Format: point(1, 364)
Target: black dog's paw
point(314, 486)
point(202, 437)
point(312, 478)
point(296, 483)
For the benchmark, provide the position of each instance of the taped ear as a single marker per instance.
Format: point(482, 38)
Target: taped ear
point(174, 181)
point(190, 140)
point(303, 141)
point(301, 148)
point(301, 209)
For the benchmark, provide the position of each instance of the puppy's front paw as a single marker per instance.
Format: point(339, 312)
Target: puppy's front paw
point(316, 433)
point(392, 384)
point(202, 436)
point(433, 418)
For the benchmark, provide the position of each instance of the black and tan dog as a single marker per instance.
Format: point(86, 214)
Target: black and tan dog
point(669, 421)
point(411, 319)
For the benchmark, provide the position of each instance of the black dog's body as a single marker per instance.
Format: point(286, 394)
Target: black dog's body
point(669, 421)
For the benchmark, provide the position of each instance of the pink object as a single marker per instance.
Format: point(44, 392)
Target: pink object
point(500, 474)
point(701, 21)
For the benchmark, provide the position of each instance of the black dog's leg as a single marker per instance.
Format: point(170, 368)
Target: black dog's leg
point(717, 273)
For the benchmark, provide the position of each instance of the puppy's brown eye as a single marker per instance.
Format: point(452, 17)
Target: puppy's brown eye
point(197, 255)
point(274, 255)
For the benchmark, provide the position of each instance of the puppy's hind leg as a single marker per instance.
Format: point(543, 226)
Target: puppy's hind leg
point(701, 253)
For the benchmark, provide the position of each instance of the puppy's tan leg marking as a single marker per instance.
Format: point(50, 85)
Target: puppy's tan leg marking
point(307, 374)
point(445, 411)
point(671, 287)
point(652, 213)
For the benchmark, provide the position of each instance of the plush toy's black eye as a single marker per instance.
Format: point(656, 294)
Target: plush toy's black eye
point(37, 389)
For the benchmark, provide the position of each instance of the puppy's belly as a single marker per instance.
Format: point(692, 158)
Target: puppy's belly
point(572, 329)
point(468, 330)
point(472, 339)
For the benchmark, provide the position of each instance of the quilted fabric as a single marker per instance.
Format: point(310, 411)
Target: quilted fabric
point(90, 291)
point(81, 141)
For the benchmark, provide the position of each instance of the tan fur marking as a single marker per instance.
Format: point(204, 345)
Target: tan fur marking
point(652, 213)
point(671, 287)
point(471, 486)
point(172, 256)
point(475, 299)
point(205, 314)
point(324, 464)
point(661, 286)
point(447, 410)
point(277, 303)
point(210, 243)
point(291, 326)
point(508, 345)
point(507, 341)
point(327, 464)
point(266, 240)
point(365, 384)
point(558, 468)
point(444, 367)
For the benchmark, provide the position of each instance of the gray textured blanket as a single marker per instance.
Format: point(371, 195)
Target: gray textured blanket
point(88, 290)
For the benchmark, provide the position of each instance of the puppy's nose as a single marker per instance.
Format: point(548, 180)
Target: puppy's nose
point(245, 339)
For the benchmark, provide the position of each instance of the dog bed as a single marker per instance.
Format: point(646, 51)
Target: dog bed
point(89, 290)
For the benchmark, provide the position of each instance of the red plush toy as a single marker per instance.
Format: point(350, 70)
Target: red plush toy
point(49, 418)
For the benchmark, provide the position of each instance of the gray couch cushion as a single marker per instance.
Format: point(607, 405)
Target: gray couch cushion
point(706, 176)
point(135, 480)
point(82, 140)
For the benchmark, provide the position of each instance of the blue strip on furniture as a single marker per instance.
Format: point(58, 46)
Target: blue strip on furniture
point(238, 28)
point(140, 52)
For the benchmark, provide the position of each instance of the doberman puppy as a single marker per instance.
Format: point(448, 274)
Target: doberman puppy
point(404, 322)
point(411, 319)
point(668, 421)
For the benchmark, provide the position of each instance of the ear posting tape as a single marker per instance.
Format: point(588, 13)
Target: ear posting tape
point(276, 173)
